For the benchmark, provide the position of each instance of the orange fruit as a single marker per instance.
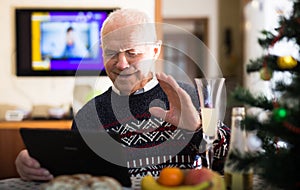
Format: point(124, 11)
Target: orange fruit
point(171, 176)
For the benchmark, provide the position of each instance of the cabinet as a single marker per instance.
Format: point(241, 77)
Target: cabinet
point(11, 142)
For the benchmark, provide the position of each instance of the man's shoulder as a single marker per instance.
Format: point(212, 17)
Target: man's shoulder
point(187, 86)
point(101, 98)
point(191, 90)
point(88, 114)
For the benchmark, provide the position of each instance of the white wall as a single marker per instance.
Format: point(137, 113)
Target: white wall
point(25, 92)
point(28, 91)
point(262, 15)
point(196, 9)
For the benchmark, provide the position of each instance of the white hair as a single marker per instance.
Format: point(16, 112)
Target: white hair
point(125, 17)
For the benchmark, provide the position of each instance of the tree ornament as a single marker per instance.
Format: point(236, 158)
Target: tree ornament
point(277, 37)
point(266, 73)
point(286, 62)
point(291, 127)
point(279, 114)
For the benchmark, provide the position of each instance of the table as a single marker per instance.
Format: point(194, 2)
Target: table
point(18, 184)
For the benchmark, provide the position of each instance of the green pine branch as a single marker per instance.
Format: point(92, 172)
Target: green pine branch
point(269, 61)
point(243, 162)
point(280, 168)
point(290, 91)
point(268, 39)
point(277, 165)
point(243, 95)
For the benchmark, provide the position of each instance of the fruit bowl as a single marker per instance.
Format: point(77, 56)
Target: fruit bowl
point(193, 179)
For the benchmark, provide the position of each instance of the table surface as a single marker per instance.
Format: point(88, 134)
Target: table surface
point(18, 184)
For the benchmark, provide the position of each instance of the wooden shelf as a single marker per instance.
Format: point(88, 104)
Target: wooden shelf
point(11, 142)
point(60, 124)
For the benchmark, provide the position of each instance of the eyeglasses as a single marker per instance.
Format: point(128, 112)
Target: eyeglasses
point(130, 54)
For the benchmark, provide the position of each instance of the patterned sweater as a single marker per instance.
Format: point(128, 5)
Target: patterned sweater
point(163, 144)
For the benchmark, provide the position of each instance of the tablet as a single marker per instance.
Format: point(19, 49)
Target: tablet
point(64, 152)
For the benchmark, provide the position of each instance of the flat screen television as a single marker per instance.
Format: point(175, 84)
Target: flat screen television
point(59, 42)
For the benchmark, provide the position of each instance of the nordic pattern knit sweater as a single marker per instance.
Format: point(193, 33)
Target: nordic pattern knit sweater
point(129, 117)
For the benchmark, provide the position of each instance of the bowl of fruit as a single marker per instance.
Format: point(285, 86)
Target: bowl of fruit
point(173, 178)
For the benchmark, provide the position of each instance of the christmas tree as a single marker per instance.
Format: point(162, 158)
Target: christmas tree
point(278, 160)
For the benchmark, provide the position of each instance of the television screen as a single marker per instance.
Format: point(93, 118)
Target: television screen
point(59, 42)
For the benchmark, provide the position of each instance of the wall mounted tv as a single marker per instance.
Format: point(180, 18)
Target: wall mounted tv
point(59, 42)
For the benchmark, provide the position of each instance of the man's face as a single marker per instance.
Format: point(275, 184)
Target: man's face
point(128, 62)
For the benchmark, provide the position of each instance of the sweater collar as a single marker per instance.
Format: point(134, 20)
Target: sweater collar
point(151, 84)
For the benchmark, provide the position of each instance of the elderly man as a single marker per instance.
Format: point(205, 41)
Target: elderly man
point(155, 116)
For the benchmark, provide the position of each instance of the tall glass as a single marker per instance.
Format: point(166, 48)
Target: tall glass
point(209, 91)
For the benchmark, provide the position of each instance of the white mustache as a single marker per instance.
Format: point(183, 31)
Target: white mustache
point(128, 71)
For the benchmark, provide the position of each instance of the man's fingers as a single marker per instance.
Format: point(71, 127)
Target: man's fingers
point(158, 112)
point(28, 173)
point(29, 168)
point(37, 177)
point(32, 163)
point(185, 98)
point(167, 82)
point(28, 161)
point(166, 115)
point(41, 178)
point(182, 111)
point(170, 87)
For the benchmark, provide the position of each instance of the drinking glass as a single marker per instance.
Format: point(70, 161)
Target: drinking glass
point(209, 92)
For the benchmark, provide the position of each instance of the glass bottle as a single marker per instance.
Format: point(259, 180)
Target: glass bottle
point(237, 179)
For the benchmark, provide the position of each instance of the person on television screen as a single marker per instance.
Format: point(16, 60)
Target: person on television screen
point(74, 48)
point(150, 111)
